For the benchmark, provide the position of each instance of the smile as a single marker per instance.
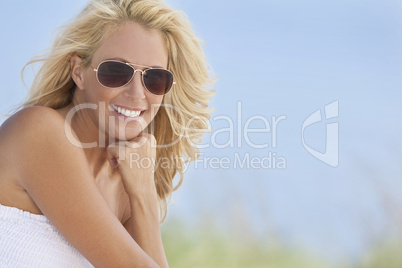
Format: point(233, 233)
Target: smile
point(126, 112)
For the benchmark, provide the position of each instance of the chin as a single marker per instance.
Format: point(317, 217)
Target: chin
point(128, 134)
point(125, 131)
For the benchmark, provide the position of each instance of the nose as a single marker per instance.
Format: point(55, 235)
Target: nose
point(135, 89)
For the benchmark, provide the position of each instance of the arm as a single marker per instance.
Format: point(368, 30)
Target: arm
point(146, 233)
point(139, 184)
point(56, 175)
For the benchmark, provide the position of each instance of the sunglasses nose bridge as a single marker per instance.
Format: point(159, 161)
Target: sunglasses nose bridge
point(141, 75)
point(135, 87)
point(138, 70)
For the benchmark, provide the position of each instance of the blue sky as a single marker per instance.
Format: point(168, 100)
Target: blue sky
point(278, 58)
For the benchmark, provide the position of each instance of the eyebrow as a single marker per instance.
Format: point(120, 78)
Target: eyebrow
point(126, 61)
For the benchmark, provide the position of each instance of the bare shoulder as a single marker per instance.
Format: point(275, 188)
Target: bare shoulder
point(33, 125)
point(28, 121)
point(26, 138)
point(28, 135)
point(29, 130)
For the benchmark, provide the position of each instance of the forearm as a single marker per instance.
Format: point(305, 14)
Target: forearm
point(145, 228)
point(139, 184)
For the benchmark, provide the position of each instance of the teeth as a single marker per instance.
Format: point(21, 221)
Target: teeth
point(125, 112)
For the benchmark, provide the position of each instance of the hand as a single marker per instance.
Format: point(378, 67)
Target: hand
point(135, 161)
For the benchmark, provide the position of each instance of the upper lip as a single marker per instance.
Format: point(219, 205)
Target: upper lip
point(129, 108)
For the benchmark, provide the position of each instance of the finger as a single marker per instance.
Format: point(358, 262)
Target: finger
point(116, 151)
point(138, 137)
point(138, 142)
point(113, 162)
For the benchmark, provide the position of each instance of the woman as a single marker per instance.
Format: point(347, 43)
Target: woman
point(88, 163)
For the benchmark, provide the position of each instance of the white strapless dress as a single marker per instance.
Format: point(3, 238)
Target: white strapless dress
point(30, 240)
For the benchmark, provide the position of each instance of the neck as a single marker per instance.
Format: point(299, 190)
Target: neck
point(87, 132)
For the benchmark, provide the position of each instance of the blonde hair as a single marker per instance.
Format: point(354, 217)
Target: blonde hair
point(181, 127)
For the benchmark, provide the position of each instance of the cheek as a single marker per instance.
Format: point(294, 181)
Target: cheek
point(96, 93)
point(155, 103)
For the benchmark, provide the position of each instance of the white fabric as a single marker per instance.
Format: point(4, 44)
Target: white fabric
point(30, 240)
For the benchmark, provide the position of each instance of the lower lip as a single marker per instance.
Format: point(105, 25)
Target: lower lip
point(128, 117)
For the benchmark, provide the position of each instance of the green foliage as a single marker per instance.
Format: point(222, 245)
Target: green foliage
point(209, 248)
point(385, 256)
point(212, 249)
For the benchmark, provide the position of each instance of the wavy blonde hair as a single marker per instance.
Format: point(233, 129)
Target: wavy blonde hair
point(182, 127)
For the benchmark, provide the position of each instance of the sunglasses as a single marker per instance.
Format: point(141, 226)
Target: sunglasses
point(115, 74)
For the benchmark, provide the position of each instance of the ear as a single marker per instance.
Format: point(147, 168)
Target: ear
point(77, 71)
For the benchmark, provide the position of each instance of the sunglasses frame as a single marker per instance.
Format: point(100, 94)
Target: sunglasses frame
point(135, 70)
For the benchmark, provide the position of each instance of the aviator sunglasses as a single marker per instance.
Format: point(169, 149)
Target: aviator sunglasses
point(115, 74)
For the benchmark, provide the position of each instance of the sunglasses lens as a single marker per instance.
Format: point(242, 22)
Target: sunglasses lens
point(114, 74)
point(158, 81)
